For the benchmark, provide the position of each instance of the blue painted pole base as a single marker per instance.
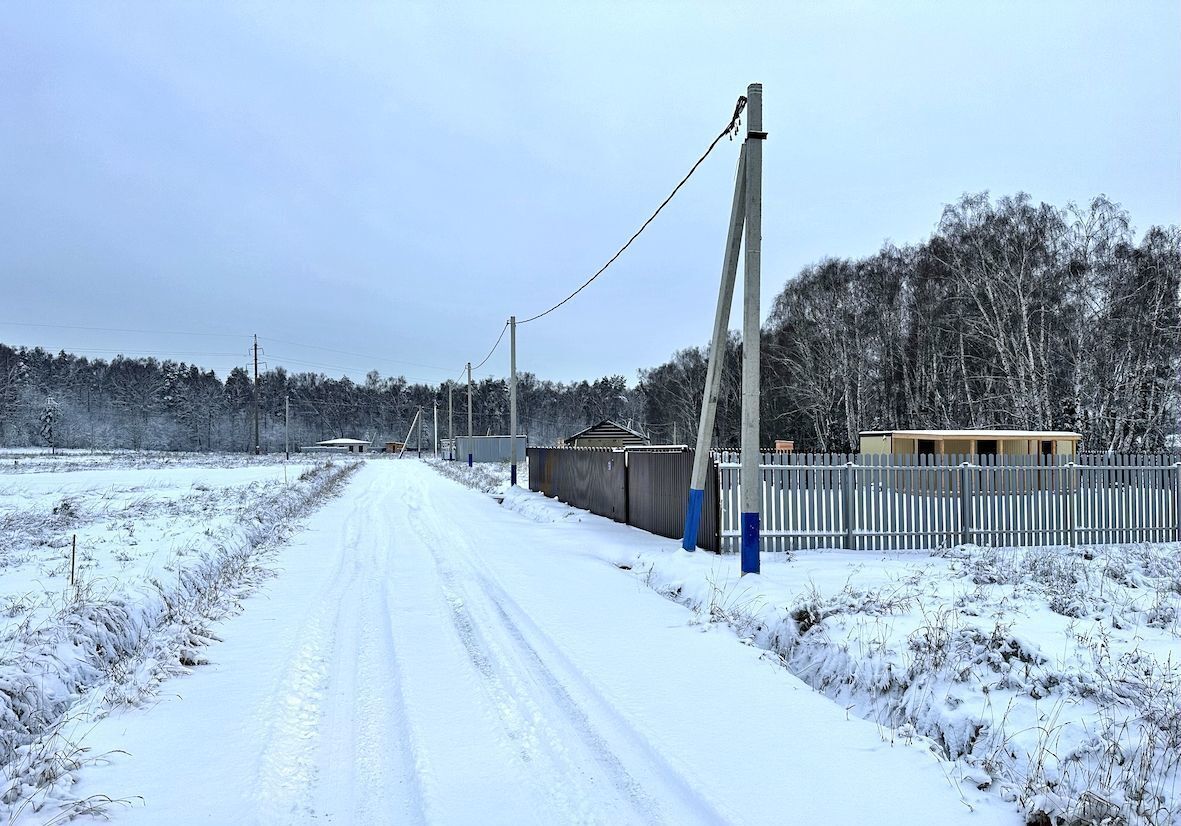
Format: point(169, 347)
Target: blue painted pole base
point(512, 476)
point(750, 543)
point(693, 519)
point(469, 460)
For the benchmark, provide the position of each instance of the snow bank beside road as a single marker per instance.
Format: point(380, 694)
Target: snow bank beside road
point(1050, 676)
point(487, 477)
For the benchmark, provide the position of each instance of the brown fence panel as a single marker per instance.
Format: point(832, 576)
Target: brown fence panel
point(541, 470)
point(658, 494)
point(588, 478)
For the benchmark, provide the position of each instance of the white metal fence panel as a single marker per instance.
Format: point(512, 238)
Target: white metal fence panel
point(882, 502)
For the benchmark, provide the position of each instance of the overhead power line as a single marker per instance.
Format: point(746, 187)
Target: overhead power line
point(731, 129)
point(120, 329)
point(358, 355)
point(123, 351)
point(493, 350)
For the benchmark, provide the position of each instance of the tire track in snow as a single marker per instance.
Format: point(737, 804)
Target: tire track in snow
point(287, 766)
point(521, 674)
point(369, 772)
point(331, 749)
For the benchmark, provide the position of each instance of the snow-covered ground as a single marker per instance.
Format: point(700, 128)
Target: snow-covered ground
point(161, 551)
point(21, 460)
point(428, 656)
point(1049, 677)
point(488, 477)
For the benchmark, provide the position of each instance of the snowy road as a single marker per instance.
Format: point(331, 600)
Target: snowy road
point(428, 657)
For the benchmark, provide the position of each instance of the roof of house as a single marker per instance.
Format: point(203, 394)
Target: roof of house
point(976, 434)
point(607, 429)
point(343, 442)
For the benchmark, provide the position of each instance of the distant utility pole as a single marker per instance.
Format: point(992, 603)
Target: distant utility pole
point(287, 426)
point(512, 399)
point(257, 443)
point(470, 442)
point(409, 432)
point(752, 488)
point(450, 420)
point(436, 430)
point(421, 425)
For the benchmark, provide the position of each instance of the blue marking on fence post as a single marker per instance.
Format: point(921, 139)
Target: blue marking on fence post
point(512, 476)
point(469, 460)
point(750, 543)
point(693, 519)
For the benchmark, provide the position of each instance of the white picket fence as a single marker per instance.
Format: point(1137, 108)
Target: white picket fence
point(872, 502)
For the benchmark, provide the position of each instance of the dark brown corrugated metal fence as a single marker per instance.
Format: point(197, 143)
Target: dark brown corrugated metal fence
point(658, 494)
point(591, 478)
point(646, 489)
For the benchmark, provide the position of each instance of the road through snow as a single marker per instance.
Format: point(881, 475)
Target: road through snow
point(427, 657)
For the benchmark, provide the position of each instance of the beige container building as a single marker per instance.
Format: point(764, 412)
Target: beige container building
point(975, 442)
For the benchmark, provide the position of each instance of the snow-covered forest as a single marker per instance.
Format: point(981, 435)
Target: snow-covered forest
point(144, 403)
point(1012, 314)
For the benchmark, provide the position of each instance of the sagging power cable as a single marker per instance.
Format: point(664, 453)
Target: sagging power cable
point(731, 130)
point(493, 350)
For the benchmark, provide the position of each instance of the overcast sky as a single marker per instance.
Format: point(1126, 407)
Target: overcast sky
point(394, 180)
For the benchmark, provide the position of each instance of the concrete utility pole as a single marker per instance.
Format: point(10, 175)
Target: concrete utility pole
point(287, 427)
point(436, 430)
point(752, 489)
point(450, 420)
point(470, 443)
point(717, 356)
point(420, 427)
point(257, 444)
point(409, 431)
point(512, 399)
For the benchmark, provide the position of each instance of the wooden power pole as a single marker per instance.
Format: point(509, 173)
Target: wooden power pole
point(257, 442)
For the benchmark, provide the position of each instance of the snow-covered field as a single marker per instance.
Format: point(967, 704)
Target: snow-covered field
point(1050, 677)
point(164, 545)
point(21, 460)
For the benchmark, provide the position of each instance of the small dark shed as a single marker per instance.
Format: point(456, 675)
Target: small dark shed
point(606, 434)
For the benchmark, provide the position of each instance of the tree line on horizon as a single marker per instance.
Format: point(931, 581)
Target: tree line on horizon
point(151, 404)
point(1012, 314)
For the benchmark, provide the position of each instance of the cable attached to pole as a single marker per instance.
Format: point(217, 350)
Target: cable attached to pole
point(731, 130)
point(499, 339)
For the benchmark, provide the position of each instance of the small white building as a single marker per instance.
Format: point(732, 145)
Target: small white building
point(344, 444)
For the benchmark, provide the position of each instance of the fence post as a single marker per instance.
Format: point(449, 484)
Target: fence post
point(1177, 501)
point(1072, 492)
point(847, 504)
point(965, 504)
